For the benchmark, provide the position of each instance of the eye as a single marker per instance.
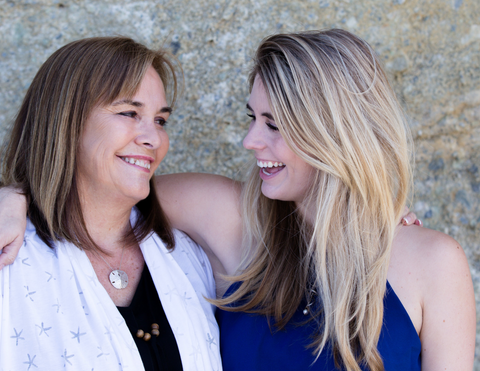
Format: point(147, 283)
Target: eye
point(251, 116)
point(131, 114)
point(271, 126)
point(161, 121)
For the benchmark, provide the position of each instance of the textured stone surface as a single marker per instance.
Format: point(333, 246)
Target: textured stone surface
point(431, 49)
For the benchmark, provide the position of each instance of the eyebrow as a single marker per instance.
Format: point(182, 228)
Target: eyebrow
point(266, 114)
point(139, 104)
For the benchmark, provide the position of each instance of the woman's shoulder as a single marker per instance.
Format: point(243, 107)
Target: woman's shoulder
point(33, 244)
point(425, 262)
point(188, 248)
point(431, 255)
point(430, 274)
point(194, 262)
point(35, 265)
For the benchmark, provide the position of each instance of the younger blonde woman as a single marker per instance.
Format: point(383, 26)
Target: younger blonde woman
point(330, 280)
point(324, 278)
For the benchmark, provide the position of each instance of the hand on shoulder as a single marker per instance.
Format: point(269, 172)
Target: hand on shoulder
point(13, 221)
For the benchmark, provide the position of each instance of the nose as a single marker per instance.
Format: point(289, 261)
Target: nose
point(254, 139)
point(150, 135)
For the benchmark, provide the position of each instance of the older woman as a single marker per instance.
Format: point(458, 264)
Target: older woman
point(98, 284)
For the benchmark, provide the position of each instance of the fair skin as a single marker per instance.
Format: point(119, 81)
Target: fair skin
point(289, 181)
point(109, 186)
point(428, 270)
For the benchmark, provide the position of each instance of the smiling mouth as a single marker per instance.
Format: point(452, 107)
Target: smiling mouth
point(270, 167)
point(142, 163)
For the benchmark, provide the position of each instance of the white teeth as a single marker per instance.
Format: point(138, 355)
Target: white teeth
point(265, 172)
point(141, 163)
point(270, 164)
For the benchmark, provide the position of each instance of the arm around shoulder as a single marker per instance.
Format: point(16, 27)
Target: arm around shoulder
point(449, 316)
point(206, 207)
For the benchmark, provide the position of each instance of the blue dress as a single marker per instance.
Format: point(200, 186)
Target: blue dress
point(247, 343)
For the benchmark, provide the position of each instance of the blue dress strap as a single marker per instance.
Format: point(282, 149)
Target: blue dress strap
point(399, 344)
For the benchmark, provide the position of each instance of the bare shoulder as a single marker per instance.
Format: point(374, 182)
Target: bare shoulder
point(433, 255)
point(430, 274)
point(425, 263)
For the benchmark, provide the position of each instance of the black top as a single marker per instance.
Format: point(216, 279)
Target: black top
point(159, 353)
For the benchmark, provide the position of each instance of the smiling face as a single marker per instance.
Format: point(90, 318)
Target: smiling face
point(123, 143)
point(285, 175)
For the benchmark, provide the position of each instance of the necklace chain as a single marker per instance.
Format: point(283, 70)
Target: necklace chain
point(117, 277)
point(121, 260)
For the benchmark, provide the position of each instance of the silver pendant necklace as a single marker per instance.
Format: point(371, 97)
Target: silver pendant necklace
point(117, 277)
point(310, 301)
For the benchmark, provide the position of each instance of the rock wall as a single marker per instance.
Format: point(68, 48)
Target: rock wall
point(431, 48)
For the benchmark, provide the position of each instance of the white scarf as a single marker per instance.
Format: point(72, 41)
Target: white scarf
point(55, 314)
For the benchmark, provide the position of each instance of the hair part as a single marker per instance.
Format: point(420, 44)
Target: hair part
point(41, 155)
point(335, 108)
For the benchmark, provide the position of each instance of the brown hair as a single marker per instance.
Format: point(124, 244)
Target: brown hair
point(335, 108)
point(40, 157)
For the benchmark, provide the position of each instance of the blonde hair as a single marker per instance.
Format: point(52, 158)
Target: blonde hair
point(40, 157)
point(334, 107)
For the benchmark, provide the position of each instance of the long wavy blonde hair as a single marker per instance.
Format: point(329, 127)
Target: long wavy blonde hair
point(335, 108)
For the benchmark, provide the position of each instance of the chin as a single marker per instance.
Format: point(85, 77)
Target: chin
point(277, 194)
point(143, 196)
point(138, 194)
point(271, 194)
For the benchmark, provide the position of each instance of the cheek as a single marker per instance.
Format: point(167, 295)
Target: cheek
point(307, 173)
point(303, 172)
point(96, 140)
point(93, 151)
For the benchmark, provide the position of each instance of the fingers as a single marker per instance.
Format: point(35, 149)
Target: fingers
point(13, 221)
point(10, 252)
point(411, 219)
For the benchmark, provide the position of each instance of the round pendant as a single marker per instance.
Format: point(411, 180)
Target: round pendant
point(118, 279)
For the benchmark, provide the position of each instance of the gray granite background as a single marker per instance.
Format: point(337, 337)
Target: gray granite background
point(431, 48)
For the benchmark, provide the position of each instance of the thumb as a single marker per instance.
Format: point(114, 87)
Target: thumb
point(10, 251)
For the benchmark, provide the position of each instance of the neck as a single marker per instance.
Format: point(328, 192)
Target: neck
point(107, 223)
